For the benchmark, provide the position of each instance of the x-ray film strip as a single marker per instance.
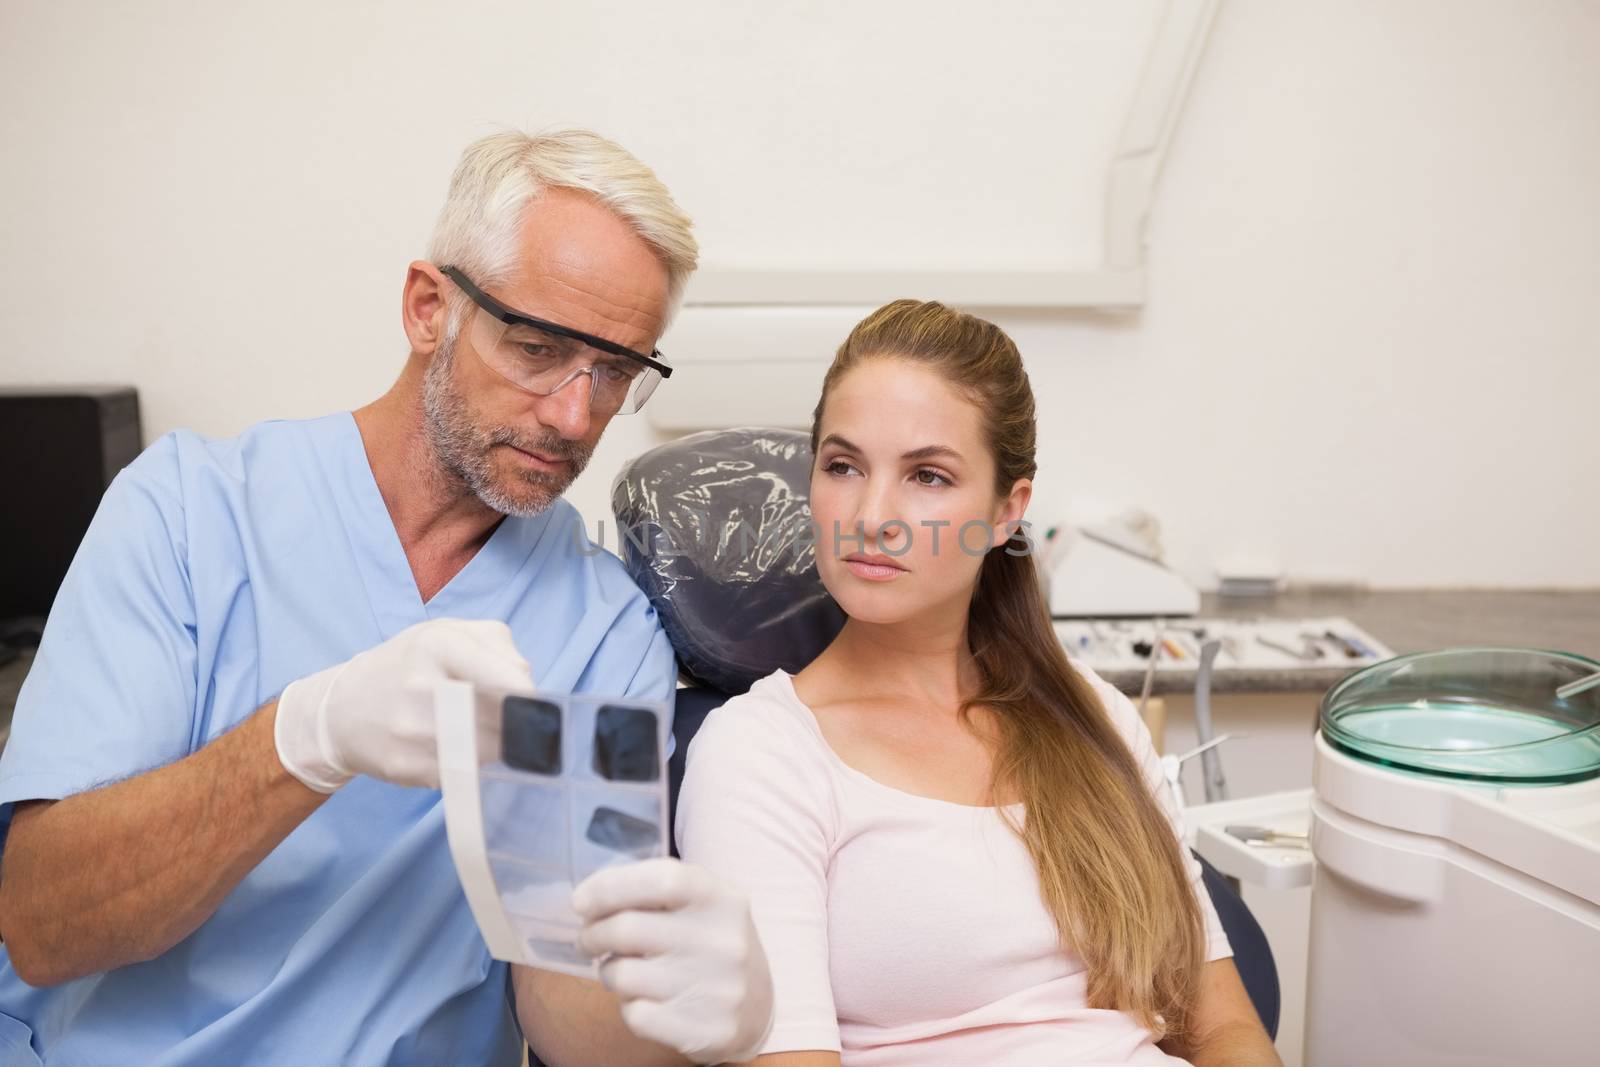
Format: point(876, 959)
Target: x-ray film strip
point(540, 791)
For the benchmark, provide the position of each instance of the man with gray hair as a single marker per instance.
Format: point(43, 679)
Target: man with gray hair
point(226, 843)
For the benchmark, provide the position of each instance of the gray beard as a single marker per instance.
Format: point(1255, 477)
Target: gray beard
point(464, 451)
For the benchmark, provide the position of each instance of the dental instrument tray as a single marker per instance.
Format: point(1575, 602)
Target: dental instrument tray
point(1276, 855)
point(540, 791)
point(1265, 645)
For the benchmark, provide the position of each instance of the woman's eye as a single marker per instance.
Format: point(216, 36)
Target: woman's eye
point(838, 466)
point(929, 477)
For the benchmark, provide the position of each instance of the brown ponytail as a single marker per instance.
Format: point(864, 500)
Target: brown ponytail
point(1110, 871)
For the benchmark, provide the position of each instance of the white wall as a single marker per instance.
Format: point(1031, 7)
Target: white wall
point(1372, 347)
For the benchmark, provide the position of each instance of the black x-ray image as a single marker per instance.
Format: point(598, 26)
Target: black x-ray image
point(625, 745)
point(621, 832)
point(530, 735)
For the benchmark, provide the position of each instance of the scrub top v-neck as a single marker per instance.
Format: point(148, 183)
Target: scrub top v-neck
point(386, 572)
point(215, 573)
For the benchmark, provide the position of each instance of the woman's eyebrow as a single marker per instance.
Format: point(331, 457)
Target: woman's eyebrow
point(835, 439)
point(932, 452)
point(925, 452)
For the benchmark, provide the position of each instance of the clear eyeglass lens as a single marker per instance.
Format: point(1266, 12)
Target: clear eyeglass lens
point(544, 363)
point(642, 387)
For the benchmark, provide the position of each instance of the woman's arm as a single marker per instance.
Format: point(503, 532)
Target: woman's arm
point(756, 809)
point(571, 1021)
point(797, 1059)
point(1227, 1032)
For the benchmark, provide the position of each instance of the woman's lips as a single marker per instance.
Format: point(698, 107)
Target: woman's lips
point(873, 568)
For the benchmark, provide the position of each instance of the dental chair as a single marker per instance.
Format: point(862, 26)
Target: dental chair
point(713, 528)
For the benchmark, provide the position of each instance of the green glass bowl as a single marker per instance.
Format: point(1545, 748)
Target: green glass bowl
point(1479, 714)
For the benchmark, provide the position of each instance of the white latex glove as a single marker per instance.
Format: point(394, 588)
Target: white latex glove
point(684, 957)
point(373, 714)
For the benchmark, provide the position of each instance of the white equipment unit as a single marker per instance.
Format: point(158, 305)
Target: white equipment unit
point(1093, 576)
point(1453, 923)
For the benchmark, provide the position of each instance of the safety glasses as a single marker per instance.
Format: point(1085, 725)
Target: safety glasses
point(543, 357)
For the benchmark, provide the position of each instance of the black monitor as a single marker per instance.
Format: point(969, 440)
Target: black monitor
point(60, 446)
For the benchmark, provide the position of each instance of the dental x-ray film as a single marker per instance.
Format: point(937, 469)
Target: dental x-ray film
point(540, 791)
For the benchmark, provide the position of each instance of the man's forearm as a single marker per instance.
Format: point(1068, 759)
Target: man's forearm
point(122, 873)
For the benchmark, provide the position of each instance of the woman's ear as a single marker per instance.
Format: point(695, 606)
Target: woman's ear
point(1008, 517)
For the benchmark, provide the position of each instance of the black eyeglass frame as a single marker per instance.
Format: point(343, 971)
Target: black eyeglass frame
point(511, 317)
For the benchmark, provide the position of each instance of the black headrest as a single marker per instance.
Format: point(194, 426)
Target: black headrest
point(715, 528)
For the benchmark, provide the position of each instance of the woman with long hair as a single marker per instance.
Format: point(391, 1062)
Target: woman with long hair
point(958, 845)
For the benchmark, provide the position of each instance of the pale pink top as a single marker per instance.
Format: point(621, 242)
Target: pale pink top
point(900, 929)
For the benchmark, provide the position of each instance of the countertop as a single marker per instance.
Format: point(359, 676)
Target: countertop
point(1405, 620)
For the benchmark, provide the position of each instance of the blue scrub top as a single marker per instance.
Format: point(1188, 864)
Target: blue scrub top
point(215, 573)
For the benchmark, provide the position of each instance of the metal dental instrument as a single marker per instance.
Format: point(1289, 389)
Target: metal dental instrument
point(1285, 649)
point(1172, 765)
point(1582, 685)
point(1351, 649)
point(1313, 644)
point(1150, 670)
point(1200, 750)
point(1266, 836)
